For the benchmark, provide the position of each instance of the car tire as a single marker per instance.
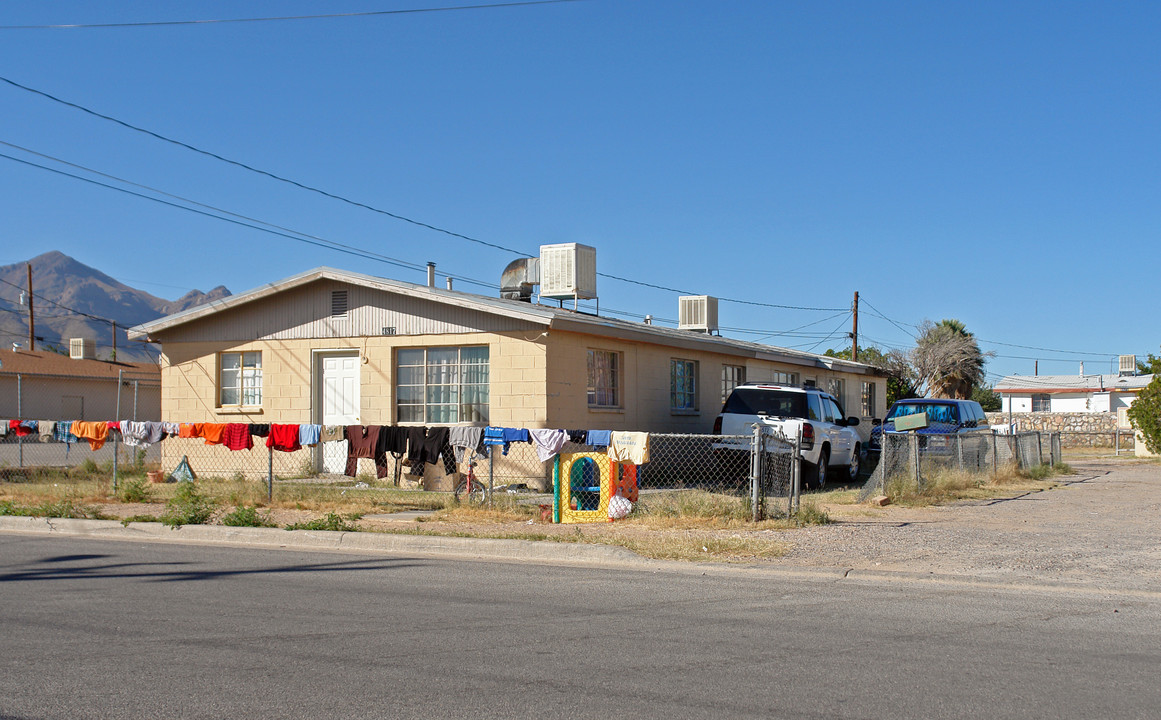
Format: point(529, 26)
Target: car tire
point(816, 474)
point(854, 467)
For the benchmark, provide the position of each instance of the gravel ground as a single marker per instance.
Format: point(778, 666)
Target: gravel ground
point(1101, 528)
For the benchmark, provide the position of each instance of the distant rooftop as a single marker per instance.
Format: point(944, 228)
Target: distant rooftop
point(1072, 383)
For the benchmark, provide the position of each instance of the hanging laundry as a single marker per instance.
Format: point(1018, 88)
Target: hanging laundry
point(548, 442)
point(154, 432)
point(599, 438)
point(46, 429)
point(3, 428)
point(308, 435)
point(283, 437)
point(435, 446)
point(64, 434)
point(95, 432)
point(171, 429)
point(19, 428)
point(333, 433)
point(212, 433)
point(186, 430)
point(579, 437)
point(260, 429)
point(416, 435)
point(629, 447)
point(494, 436)
point(362, 441)
point(133, 433)
point(236, 436)
point(464, 438)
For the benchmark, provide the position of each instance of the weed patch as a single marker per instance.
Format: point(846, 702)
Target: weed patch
point(331, 521)
point(246, 516)
point(188, 507)
point(135, 490)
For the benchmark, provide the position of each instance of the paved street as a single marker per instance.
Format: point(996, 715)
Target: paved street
point(95, 628)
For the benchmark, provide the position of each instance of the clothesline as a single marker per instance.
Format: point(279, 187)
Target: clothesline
point(421, 444)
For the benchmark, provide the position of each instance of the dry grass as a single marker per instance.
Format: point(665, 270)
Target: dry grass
point(948, 485)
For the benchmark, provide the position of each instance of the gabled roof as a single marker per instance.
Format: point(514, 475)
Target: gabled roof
point(546, 316)
point(40, 363)
point(1072, 383)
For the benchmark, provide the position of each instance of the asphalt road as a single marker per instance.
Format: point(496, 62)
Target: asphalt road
point(94, 629)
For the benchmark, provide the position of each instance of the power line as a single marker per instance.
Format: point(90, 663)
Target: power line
point(162, 23)
point(365, 206)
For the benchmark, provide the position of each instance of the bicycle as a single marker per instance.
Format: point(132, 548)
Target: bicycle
point(469, 489)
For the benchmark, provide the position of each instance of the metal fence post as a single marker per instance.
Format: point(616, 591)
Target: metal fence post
point(995, 456)
point(116, 438)
point(135, 399)
point(913, 440)
point(491, 474)
point(755, 472)
point(270, 474)
point(1116, 441)
point(959, 450)
point(1039, 448)
point(20, 415)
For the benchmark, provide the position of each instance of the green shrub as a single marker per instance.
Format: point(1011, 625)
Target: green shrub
point(135, 490)
point(246, 517)
point(331, 521)
point(188, 507)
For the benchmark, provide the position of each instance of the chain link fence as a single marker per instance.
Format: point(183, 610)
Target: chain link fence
point(755, 476)
point(912, 455)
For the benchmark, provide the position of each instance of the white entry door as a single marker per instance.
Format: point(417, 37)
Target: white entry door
point(339, 402)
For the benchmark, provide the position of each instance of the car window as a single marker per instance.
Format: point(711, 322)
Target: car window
point(815, 406)
point(827, 410)
point(759, 401)
point(936, 412)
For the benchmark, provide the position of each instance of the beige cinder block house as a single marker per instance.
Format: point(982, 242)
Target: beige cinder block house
point(334, 347)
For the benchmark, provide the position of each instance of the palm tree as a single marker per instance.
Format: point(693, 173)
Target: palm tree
point(947, 359)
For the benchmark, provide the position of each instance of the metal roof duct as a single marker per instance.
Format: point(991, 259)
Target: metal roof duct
point(518, 279)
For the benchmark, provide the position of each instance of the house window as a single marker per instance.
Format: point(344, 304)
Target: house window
point(1041, 402)
point(732, 376)
point(604, 383)
point(785, 378)
point(868, 399)
point(240, 378)
point(809, 383)
point(835, 387)
point(442, 385)
point(683, 385)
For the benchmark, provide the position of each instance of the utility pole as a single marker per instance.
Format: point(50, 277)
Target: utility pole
point(855, 331)
point(114, 358)
point(31, 315)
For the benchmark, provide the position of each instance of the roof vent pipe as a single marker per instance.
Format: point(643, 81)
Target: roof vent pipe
point(449, 282)
point(431, 274)
point(648, 319)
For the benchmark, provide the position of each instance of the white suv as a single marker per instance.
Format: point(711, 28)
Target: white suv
point(828, 439)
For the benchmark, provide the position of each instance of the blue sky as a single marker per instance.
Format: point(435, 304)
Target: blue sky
point(993, 162)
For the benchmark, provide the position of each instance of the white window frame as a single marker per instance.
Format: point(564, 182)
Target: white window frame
point(683, 385)
point(788, 379)
point(603, 386)
point(732, 376)
point(244, 379)
point(1042, 399)
point(868, 399)
point(430, 390)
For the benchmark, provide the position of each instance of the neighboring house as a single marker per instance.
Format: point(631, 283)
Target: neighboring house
point(44, 385)
point(334, 347)
point(1069, 393)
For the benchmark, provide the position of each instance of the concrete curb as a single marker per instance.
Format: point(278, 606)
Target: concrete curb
point(374, 542)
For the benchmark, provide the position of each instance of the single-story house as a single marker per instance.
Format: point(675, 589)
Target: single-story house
point(329, 346)
point(1069, 393)
point(42, 385)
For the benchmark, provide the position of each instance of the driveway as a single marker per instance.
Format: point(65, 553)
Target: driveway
point(1101, 529)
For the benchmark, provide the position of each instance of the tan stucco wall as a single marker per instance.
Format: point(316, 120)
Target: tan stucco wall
point(645, 385)
point(189, 389)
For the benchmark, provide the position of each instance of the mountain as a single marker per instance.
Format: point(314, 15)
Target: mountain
point(66, 291)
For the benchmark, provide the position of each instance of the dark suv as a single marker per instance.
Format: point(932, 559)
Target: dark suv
point(944, 417)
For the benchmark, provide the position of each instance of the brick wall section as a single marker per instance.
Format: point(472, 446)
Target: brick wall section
point(1077, 429)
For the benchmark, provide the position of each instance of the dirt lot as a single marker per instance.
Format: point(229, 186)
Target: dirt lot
point(1100, 528)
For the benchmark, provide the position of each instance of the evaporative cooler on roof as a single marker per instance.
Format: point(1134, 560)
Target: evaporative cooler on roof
point(568, 271)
